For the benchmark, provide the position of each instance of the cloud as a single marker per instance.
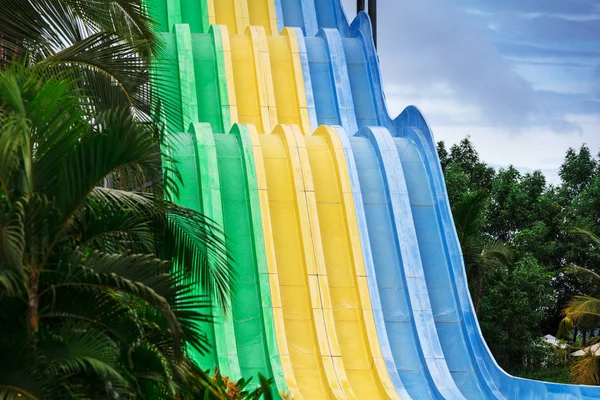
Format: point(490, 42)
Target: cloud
point(428, 43)
point(534, 50)
point(524, 93)
point(556, 7)
point(596, 82)
point(554, 30)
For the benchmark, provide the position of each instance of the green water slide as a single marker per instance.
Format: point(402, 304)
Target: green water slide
point(219, 180)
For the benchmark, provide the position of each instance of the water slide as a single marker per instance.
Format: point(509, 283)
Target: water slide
point(350, 282)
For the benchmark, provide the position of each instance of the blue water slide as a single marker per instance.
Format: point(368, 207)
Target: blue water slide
point(401, 284)
point(401, 153)
point(417, 353)
point(412, 126)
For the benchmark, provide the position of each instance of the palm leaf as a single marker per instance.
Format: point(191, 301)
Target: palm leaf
point(468, 212)
point(581, 307)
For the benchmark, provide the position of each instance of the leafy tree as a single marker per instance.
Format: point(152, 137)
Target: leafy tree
point(89, 302)
point(483, 256)
point(511, 312)
point(464, 158)
point(578, 171)
point(105, 47)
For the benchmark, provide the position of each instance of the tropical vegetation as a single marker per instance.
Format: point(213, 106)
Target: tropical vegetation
point(521, 238)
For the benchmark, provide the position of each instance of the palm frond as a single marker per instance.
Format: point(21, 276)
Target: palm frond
point(586, 371)
point(581, 307)
point(588, 279)
point(595, 239)
point(565, 328)
point(468, 212)
point(196, 245)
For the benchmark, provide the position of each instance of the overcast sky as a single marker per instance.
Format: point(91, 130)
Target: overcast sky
point(521, 77)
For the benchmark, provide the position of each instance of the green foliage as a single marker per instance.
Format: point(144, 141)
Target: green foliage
point(512, 310)
point(88, 305)
point(483, 256)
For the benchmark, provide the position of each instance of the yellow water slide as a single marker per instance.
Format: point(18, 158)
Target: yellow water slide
point(324, 321)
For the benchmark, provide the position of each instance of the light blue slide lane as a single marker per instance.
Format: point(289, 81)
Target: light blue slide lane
point(369, 265)
point(348, 92)
point(401, 285)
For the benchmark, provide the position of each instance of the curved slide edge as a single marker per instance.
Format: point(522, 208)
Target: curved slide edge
point(224, 353)
point(263, 13)
point(312, 15)
point(413, 126)
point(271, 261)
point(252, 79)
point(306, 78)
point(226, 93)
point(167, 13)
point(253, 322)
point(314, 355)
point(183, 149)
point(361, 29)
point(340, 78)
point(290, 90)
point(225, 340)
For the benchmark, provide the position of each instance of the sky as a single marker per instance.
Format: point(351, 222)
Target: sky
point(521, 77)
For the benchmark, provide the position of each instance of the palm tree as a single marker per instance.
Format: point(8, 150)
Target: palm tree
point(105, 45)
point(584, 312)
point(584, 309)
point(483, 255)
point(89, 301)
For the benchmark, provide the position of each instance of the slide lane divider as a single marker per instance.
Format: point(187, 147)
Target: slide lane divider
point(264, 77)
point(329, 345)
point(300, 14)
point(232, 13)
point(255, 179)
point(263, 13)
point(223, 354)
point(252, 79)
point(187, 79)
point(227, 95)
point(225, 340)
point(351, 305)
point(304, 332)
point(341, 80)
point(298, 40)
point(271, 260)
point(361, 29)
point(237, 178)
point(290, 91)
point(306, 199)
point(199, 14)
point(183, 149)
